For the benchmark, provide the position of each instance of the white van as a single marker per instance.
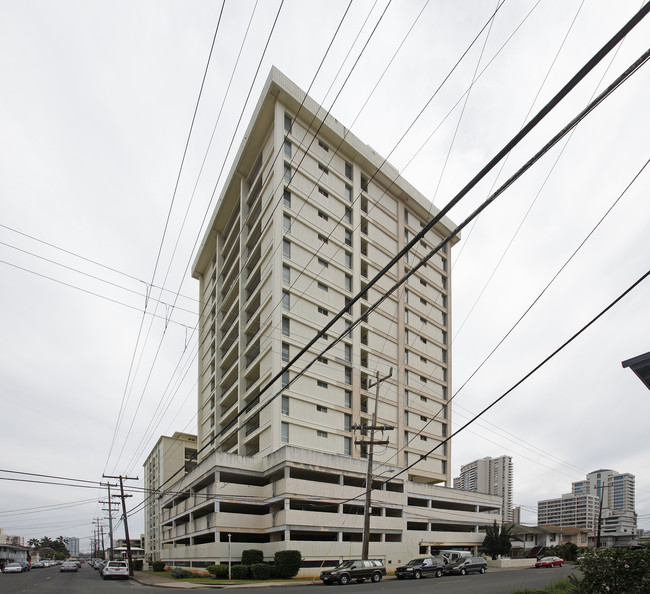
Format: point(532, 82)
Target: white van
point(452, 556)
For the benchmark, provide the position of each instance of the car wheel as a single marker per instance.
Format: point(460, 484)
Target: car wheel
point(463, 571)
point(376, 577)
point(482, 569)
point(561, 564)
point(438, 572)
point(418, 574)
point(344, 579)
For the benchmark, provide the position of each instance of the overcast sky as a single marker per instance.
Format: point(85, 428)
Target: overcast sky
point(96, 106)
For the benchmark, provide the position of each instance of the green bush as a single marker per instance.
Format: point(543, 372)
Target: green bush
point(252, 556)
point(287, 563)
point(261, 571)
point(220, 571)
point(158, 565)
point(240, 572)
point(614, 570)
point(180, 573)
point(137, 564)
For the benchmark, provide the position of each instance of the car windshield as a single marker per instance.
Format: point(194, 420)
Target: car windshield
point(456, 563)
point(547, 558)
point(415, 562)
point(116, 564)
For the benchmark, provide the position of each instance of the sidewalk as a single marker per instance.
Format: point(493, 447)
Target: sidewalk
point(150, 579)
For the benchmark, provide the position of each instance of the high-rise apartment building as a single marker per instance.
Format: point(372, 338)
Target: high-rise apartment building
point(489, 475)
point(72, 544)
point(170, 459)
point(308, 216)
point(604, 494)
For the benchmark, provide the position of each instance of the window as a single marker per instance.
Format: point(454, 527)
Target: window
point(347, 446)
point(423, 302)
point(321, 384)
point(286, 223)
point(348, 282)
point(347, 422)
point(348, 215)
point(348, 192)
point(348, 352)
point(406, 357)
point(423, 282)
point(287, 148)
point(423, 419)
point(323, 311)
point(285, 405)
point(323, 216)
point(286, 300)
point(323, 146)
point(321, 433)
point(348, 237)
point(348, 399)
point(323, 263)
point(348, 376)
point(323, 238)
point(406, 377)
point(320, 408)
point(285, 433)
point(285, 352)
point(444, 338)
point(423, 438)
point(285, 326)
point(348, 170)
point(348, 259)
point(423, 321)
point(323, 191)
point(287, 122)
point(286, 274)
point(324, 169)
point(323, 287)
point(423, 340)
point(423, 360)
point(285, 379)
point(287, 172)
point(406, 216)
point(286, 197)
point(364, 183)
point(323, 360)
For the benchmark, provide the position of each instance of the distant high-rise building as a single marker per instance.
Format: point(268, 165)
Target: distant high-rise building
point(489, 475)
point(169, 460)
point(604, 493)
point(73, 545)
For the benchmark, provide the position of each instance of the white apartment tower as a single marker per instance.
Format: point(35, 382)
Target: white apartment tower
point(489, 475)
point(308, 216)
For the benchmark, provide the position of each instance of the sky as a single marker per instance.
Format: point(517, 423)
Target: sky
point(103, 201)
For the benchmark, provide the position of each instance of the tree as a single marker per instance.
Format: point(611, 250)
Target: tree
point(51, 547)
point(497, 540)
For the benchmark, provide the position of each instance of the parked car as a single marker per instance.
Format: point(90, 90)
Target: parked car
point(13, 568)
point(38, 565)
point(549, 562)
point(357, 569)
point(26, 565)
point(421, 567)
point(68, 566)
point(465, 566)
point(115, 569)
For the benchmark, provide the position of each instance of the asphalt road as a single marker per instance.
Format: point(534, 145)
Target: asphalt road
point(50, 580)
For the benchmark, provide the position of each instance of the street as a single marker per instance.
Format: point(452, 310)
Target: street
point(51, 581)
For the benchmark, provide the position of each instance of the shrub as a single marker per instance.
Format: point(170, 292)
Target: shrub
point(137, 564)
point(614, 570)
point(240, 572)
point(287, 563)
point(252, 556)
point(158, 565)
point(220, 571)
point(261, 571)
point(180, 573)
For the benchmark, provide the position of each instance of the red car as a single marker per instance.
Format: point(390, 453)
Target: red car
point(549, 562)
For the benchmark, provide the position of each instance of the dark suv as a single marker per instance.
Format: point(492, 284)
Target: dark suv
point(421, 567)
point(357, 569)
point(465, 566)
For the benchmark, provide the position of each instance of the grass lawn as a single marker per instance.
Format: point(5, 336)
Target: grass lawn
point(211, 580)
point(561, 587)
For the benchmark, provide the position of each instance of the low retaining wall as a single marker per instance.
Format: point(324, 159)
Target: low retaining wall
point(505, 563)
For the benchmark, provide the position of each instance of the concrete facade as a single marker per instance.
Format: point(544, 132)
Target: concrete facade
point(169, 460)
point(308, 216)
point(489, 475)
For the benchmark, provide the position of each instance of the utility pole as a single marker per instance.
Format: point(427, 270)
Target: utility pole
point(371, 443)
point(123, 497)
point(110, 521)
point(98, 542)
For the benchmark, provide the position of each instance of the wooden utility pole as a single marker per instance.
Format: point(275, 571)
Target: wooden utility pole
point(371, 443)
point(110, 521)
point(123, 497)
